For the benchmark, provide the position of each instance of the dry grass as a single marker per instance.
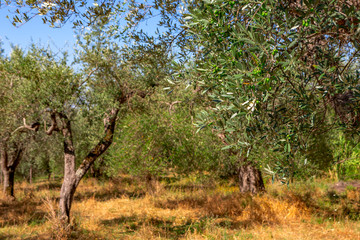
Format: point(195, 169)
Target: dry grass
point(58, 229)
point(126, 208)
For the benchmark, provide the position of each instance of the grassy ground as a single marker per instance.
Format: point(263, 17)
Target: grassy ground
point(128, 208)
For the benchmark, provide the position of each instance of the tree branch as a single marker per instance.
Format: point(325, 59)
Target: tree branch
point(101, 147)
point(33, 127)
point(53, 126)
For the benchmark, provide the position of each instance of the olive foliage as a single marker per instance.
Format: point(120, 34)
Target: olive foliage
point(277, 71)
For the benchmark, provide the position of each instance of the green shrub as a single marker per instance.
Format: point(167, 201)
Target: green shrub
point(162, 139)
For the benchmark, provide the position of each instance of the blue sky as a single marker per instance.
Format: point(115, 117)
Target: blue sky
point(35, 31)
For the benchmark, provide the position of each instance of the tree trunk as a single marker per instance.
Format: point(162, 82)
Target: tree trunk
point(10, 158)
point(1, 177)
point(47, 166)
point(9, 183)
point(67, 194)
point(30, 174)
point(8, 166)
point(250, 179)
point(68, 187)
point(71, 177)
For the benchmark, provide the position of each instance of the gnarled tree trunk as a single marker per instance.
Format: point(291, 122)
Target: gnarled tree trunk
point(9, 177)
point(11, 159)
point(68, 187)
point(72, 177)
point(8, 166)
point(250, 179)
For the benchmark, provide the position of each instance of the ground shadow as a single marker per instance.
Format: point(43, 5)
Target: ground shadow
point(49, 186)
point(78, 235)
point(17, 212)
point(188, 187)
point(164, 228)
point(108, 194)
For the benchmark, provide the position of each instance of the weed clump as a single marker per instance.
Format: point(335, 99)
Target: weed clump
point(58, 229)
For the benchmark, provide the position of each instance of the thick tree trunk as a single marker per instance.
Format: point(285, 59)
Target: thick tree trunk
point(8, 167)
point(68, 187)
point(67, 192)
point(250, 179)
point(11, 157)
point(9, 183)
point(66, 198)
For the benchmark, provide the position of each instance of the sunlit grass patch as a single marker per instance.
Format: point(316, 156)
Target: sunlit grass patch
point(124, 208)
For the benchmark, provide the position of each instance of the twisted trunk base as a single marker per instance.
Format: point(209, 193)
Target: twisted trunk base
point(250, 179)
point(72, 177)
point(66, 197)
point(9, 177)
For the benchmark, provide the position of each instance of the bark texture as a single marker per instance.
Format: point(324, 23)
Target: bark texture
point(9, 161)
point(9, 183)
point(68, 187)
point(250, 179)
point(11, 156)
point(72, 176)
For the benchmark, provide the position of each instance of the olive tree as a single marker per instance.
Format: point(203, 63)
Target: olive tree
point(112, 73)
point(15, 132)
point(274, 71)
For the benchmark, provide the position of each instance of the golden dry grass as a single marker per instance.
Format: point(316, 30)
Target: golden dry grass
point(125, 209)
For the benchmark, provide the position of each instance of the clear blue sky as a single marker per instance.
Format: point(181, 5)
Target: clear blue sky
point(35, 31)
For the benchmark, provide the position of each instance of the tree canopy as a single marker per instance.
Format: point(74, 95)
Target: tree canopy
point(275, 70)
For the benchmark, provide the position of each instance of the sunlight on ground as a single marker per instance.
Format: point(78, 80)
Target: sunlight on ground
point(124, 210)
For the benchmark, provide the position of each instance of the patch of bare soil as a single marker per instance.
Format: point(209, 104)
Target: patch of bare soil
point(341, 186)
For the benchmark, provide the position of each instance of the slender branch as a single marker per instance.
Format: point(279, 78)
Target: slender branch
point(287, 78)
point(350, 60)
point(33, 127)
point(89, 75)
point(247, 25)
point(171, 105)
point(172, 40)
